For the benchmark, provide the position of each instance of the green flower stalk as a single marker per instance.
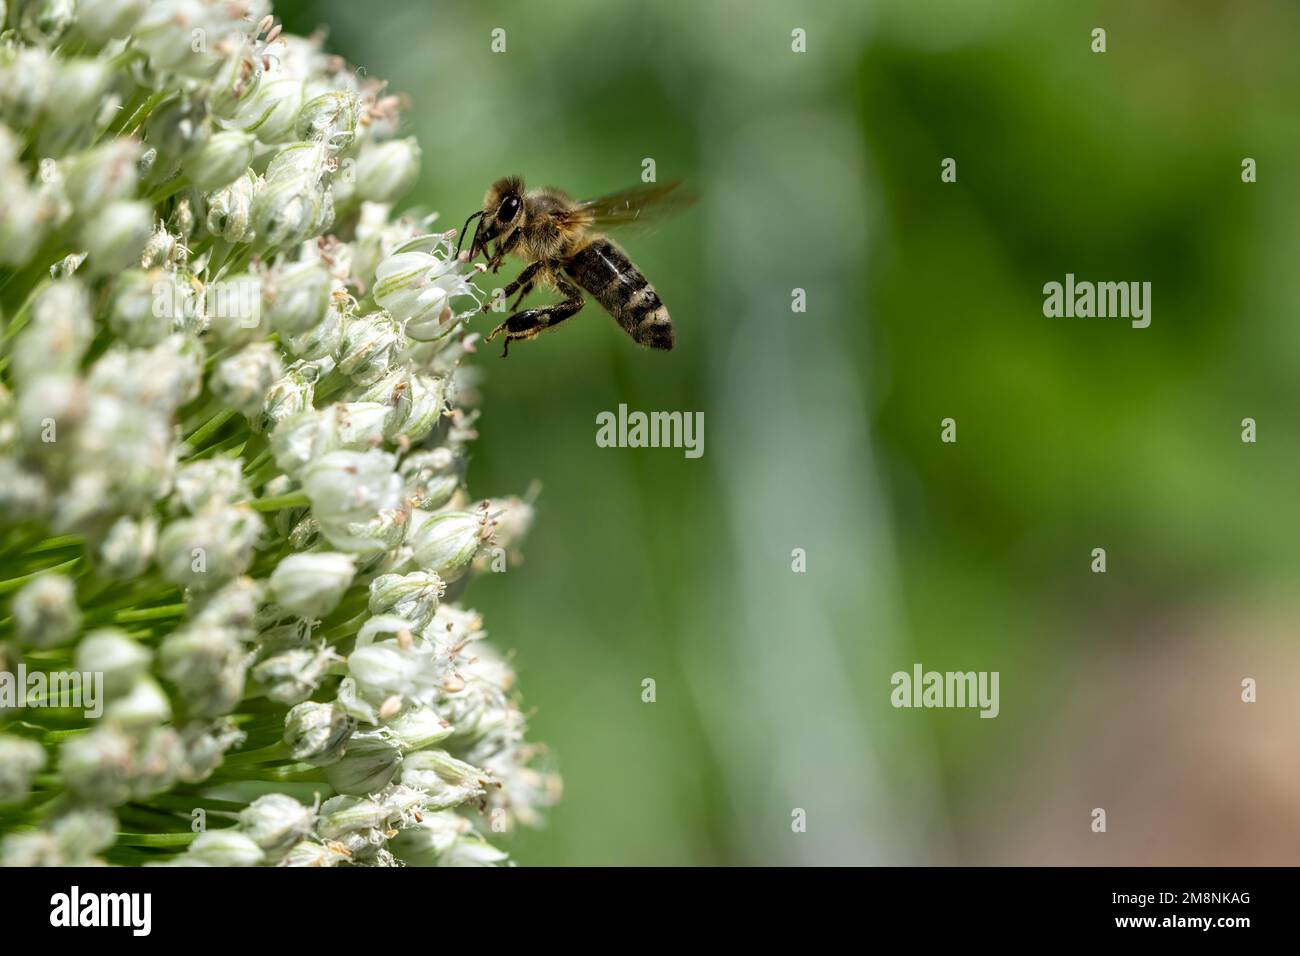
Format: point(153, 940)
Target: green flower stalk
point(234, 528)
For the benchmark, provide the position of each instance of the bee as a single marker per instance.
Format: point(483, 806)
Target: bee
point(560, 241)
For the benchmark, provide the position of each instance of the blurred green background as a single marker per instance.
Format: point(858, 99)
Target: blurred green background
point(820, 171)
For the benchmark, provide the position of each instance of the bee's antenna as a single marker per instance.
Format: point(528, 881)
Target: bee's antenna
point(461, 240)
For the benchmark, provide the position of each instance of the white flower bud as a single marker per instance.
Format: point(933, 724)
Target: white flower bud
point(237, 81)
point(25, 86)
point(233, 606)
point(403, 667)
point(20, 759)
point(288, 210)
point(115, 237)
point(166, 33)
point(59, 397)
point(456, 625)
point(511, 517)
point(233, 307)
point(330, 118)
point(317, 733)
point(103, 175)
point(104, 20)
point(369, 763)
point(427, 842)
point(405, 805)
point(144, 705)
point(276, 822)
point(359, 425)
point(417, 728)
point(156, 762)
point(24, 221)
point(208, 549)
point(83, 832)
point(97, 765)
point(322, 341)
point(385, 171)
point(311, 585)
point(346, 814)
point(309, 853)
point(219, 161)
point(148, 306)
point(384, 532)
point(418, 408)
point(223, 848)
point(447, 781)
point(119, 658)
point(289, 396)
point(298, 163)
point(473, 850)
point(371, 344)
point(207, 483)
point(299, 440)
point(44, 21)
point(161, 378)
point(417, 288)
point(31, 848)
point(23, 492)
point(242, 381)
point(297, 297)
point(205, 746)
point(271, 112)
point(291, 675)
point(413, 596)
point(348, 489)
point(176, 128)
point(129, 547)
point(230, 209)
point(207, 665)
point(75, 90)
point(45, 611)
point(351, 702)
point(431, 477)
point(58, 335)
point(447, 542)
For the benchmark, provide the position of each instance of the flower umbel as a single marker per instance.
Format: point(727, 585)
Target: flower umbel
point(232, 461)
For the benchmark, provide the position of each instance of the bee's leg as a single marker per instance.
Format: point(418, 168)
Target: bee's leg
point(533, 322)
point(524, 279)
point(520, 298)
point(523, 283)
point(504, 246)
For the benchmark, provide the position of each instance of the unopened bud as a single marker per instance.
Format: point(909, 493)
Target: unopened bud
point(311, 585)
point(446, 543)
point(317, 733)
point(219, 161)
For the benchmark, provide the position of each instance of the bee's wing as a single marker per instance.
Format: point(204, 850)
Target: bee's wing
point(639, 206)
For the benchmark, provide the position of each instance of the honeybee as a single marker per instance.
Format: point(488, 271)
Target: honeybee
point(560, 242)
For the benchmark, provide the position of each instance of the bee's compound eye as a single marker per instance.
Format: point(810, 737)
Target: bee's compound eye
point(509, 208)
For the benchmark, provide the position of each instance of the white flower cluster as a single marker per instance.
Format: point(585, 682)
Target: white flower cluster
point(232, 460)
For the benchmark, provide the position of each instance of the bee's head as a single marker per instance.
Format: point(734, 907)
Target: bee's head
point(502, 213)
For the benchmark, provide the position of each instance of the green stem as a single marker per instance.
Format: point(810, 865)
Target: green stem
point(276, 751)
point(24, 312)
point(294, 499)
point(149, 613)
point(168, 189)
point(54, 544)
point(136, 120)
point(210, 428)
point(156, 839)
point(258, 462)
point(13, 584)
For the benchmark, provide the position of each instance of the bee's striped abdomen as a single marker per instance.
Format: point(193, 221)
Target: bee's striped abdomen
point(604, 270)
